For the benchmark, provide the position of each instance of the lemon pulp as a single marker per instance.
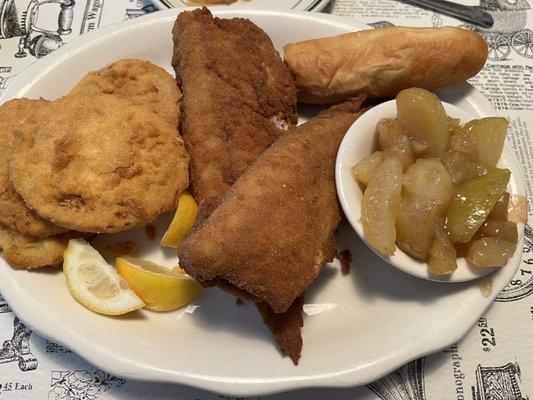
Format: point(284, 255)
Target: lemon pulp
point(94, 283)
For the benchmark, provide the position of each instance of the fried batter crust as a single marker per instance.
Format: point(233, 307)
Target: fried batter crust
point(138, 81)
point(238, 98)
point(286, 327)
point(27, 252)
point(98, 164)
point(234, 85)
point(275, 229)
point(13, 212)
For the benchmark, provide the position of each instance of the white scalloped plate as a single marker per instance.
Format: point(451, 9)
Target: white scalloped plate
point(373, 320)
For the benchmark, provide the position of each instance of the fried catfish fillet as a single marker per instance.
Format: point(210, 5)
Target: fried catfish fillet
point(275, 229)
point(285, 327)
point(238, 98)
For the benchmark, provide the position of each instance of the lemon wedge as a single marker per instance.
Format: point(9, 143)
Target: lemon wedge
point(95, 283)
point(182, 222)
point(162, 289)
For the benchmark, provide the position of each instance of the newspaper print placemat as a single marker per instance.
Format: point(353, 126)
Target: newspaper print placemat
point(494, 361)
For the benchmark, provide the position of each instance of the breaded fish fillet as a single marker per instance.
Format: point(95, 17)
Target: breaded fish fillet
point(275, 229)
point(237, 98)
point(285, 327)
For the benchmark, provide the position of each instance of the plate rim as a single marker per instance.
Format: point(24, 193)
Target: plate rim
point(97, 355)
point(316, 6)
point(24, 79)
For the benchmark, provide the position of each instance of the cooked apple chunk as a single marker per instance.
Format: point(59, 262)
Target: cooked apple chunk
point(421, 113)
point(501, 209)
point(401, 146)
point(489, 252)
point(488, 135)
point(380, 205)
point(505, 230)
point(387, 130)
point(427, 190)
point(474, 201)
point(364, 169)
point(442, 259)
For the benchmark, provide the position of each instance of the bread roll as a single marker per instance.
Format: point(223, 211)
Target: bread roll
point(381, 62)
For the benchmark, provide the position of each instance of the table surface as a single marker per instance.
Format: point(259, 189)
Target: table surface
point(493, 361)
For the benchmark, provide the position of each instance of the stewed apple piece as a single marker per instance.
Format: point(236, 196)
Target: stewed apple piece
point(474, 201)
point(380, 205)
point(421, 113)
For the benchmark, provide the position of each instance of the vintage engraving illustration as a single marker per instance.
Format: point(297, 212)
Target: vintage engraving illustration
point(4, 80)
point(381, 24)
point(81, 384)
point(139, 12)
point(497, 383)
point(4, 308)
point(55, 348)
point(17, 349)
point(521, 285)
point(406, 383)
point(20, 19)
point(31, 29)
point(509, 32)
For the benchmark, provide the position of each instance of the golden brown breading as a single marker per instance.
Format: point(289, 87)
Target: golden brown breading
point(286, 327)
point(28, 252)
point(98, 164)
point(138, 81)
point(234, 85)
point(275, 229)
point(13, 212)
